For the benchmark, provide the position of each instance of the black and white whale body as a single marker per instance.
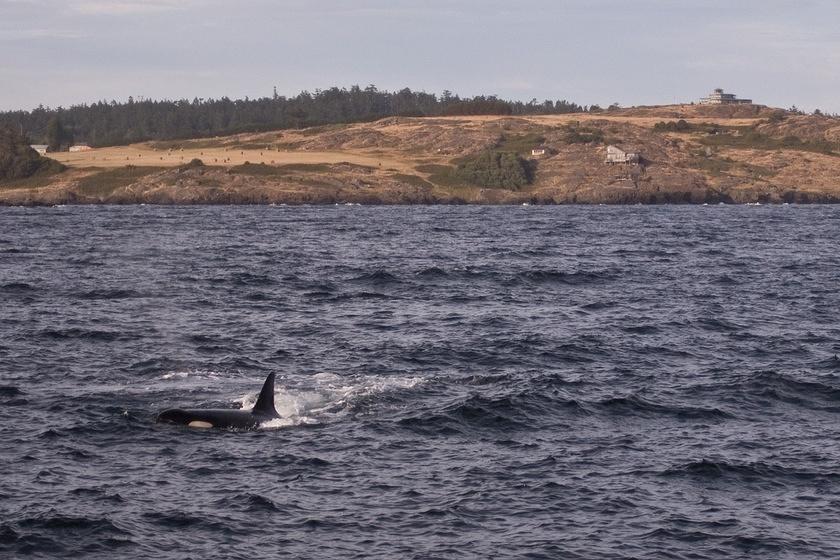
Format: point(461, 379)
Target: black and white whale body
point(226, 418)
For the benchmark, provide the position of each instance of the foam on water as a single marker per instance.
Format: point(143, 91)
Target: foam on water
point(325, 398)
point(205, 374)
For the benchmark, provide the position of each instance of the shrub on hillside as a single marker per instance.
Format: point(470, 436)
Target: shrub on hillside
point(19, 161)
point(194, 163)
point(583, 135)
point(671, 126)
point(505, 170)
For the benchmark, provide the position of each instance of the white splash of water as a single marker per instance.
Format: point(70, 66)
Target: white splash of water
point(278, 423)
point(324, 398)
point(190, 373)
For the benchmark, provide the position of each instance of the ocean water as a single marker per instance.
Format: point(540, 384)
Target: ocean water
point(453, 382)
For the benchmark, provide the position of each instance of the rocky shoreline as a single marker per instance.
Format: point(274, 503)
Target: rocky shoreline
point(355, 185)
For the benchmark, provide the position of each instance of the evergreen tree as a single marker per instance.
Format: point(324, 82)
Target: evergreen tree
point(58, 137)
point(18, 160)
point(110, 123)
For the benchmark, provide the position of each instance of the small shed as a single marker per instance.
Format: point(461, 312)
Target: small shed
point(539, 151)
point(40, 148)
point(80, 148)
point(616, 154)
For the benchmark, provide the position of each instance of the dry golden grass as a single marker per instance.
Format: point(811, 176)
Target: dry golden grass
point(238, 149)
point(399, 157)
point(144, 155)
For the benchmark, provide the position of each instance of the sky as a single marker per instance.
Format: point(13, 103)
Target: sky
point(631, 52)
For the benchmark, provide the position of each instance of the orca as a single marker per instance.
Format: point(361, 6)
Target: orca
point(223, 417)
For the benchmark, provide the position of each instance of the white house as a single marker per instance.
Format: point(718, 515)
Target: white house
point(619, 155)
point(539, 151)
point(718, 97)
point(40, 148)
point(80, 148)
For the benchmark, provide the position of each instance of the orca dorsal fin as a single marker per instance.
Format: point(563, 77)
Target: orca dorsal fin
point(265, 402)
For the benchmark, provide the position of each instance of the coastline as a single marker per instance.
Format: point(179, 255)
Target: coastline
point(349, 184)
point(710, 155)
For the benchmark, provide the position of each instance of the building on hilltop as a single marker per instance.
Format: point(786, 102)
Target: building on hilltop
point(718, 97)
point(616, 154)
point(539, 151)
point(40, 148)
point(80, 148)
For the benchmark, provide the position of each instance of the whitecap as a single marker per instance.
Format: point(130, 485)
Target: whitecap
point(277, 423)
point(190, 373)
point(324, 397)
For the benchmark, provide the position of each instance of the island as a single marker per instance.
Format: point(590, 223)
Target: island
point(710, 152)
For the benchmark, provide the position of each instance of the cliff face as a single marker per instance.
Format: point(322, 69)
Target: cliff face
point(690, 154)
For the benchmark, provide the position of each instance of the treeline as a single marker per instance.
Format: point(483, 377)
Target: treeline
point(111, 123)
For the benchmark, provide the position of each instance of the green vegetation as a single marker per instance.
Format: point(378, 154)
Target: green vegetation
point(671, 126)
point(577, 134)
point(443, 175)
point(193, 164)
point(713, 166)
point(315, 130)
point(104, 183)
point(34, 182)
point(289, 146)
point(717, 167)
point(519, 143)
point(757, 141)
point(263, 170)
point(506, 170)
point(58, 138)
point(414, 180)
point(747, 137)
point(491, 168)
point(19, 161)
point(684, 126)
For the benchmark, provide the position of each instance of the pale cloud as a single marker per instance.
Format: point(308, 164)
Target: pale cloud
point(127, 7)
point(776, 35)
point(774, 47)
point(23, 34)
point(516, 85)
point(588, 51)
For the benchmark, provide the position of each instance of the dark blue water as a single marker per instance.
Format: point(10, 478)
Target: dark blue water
point(455, 382)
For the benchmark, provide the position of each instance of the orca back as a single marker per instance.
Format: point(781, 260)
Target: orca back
point(265, 402)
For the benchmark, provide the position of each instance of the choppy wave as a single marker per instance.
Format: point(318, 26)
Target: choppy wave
point(109, 293)
point(17, 287)
point(757, 472)
point(552, 383)
point(637, 405)
point(10, 391)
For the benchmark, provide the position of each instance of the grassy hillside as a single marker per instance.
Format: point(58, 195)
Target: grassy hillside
point(690, 154)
